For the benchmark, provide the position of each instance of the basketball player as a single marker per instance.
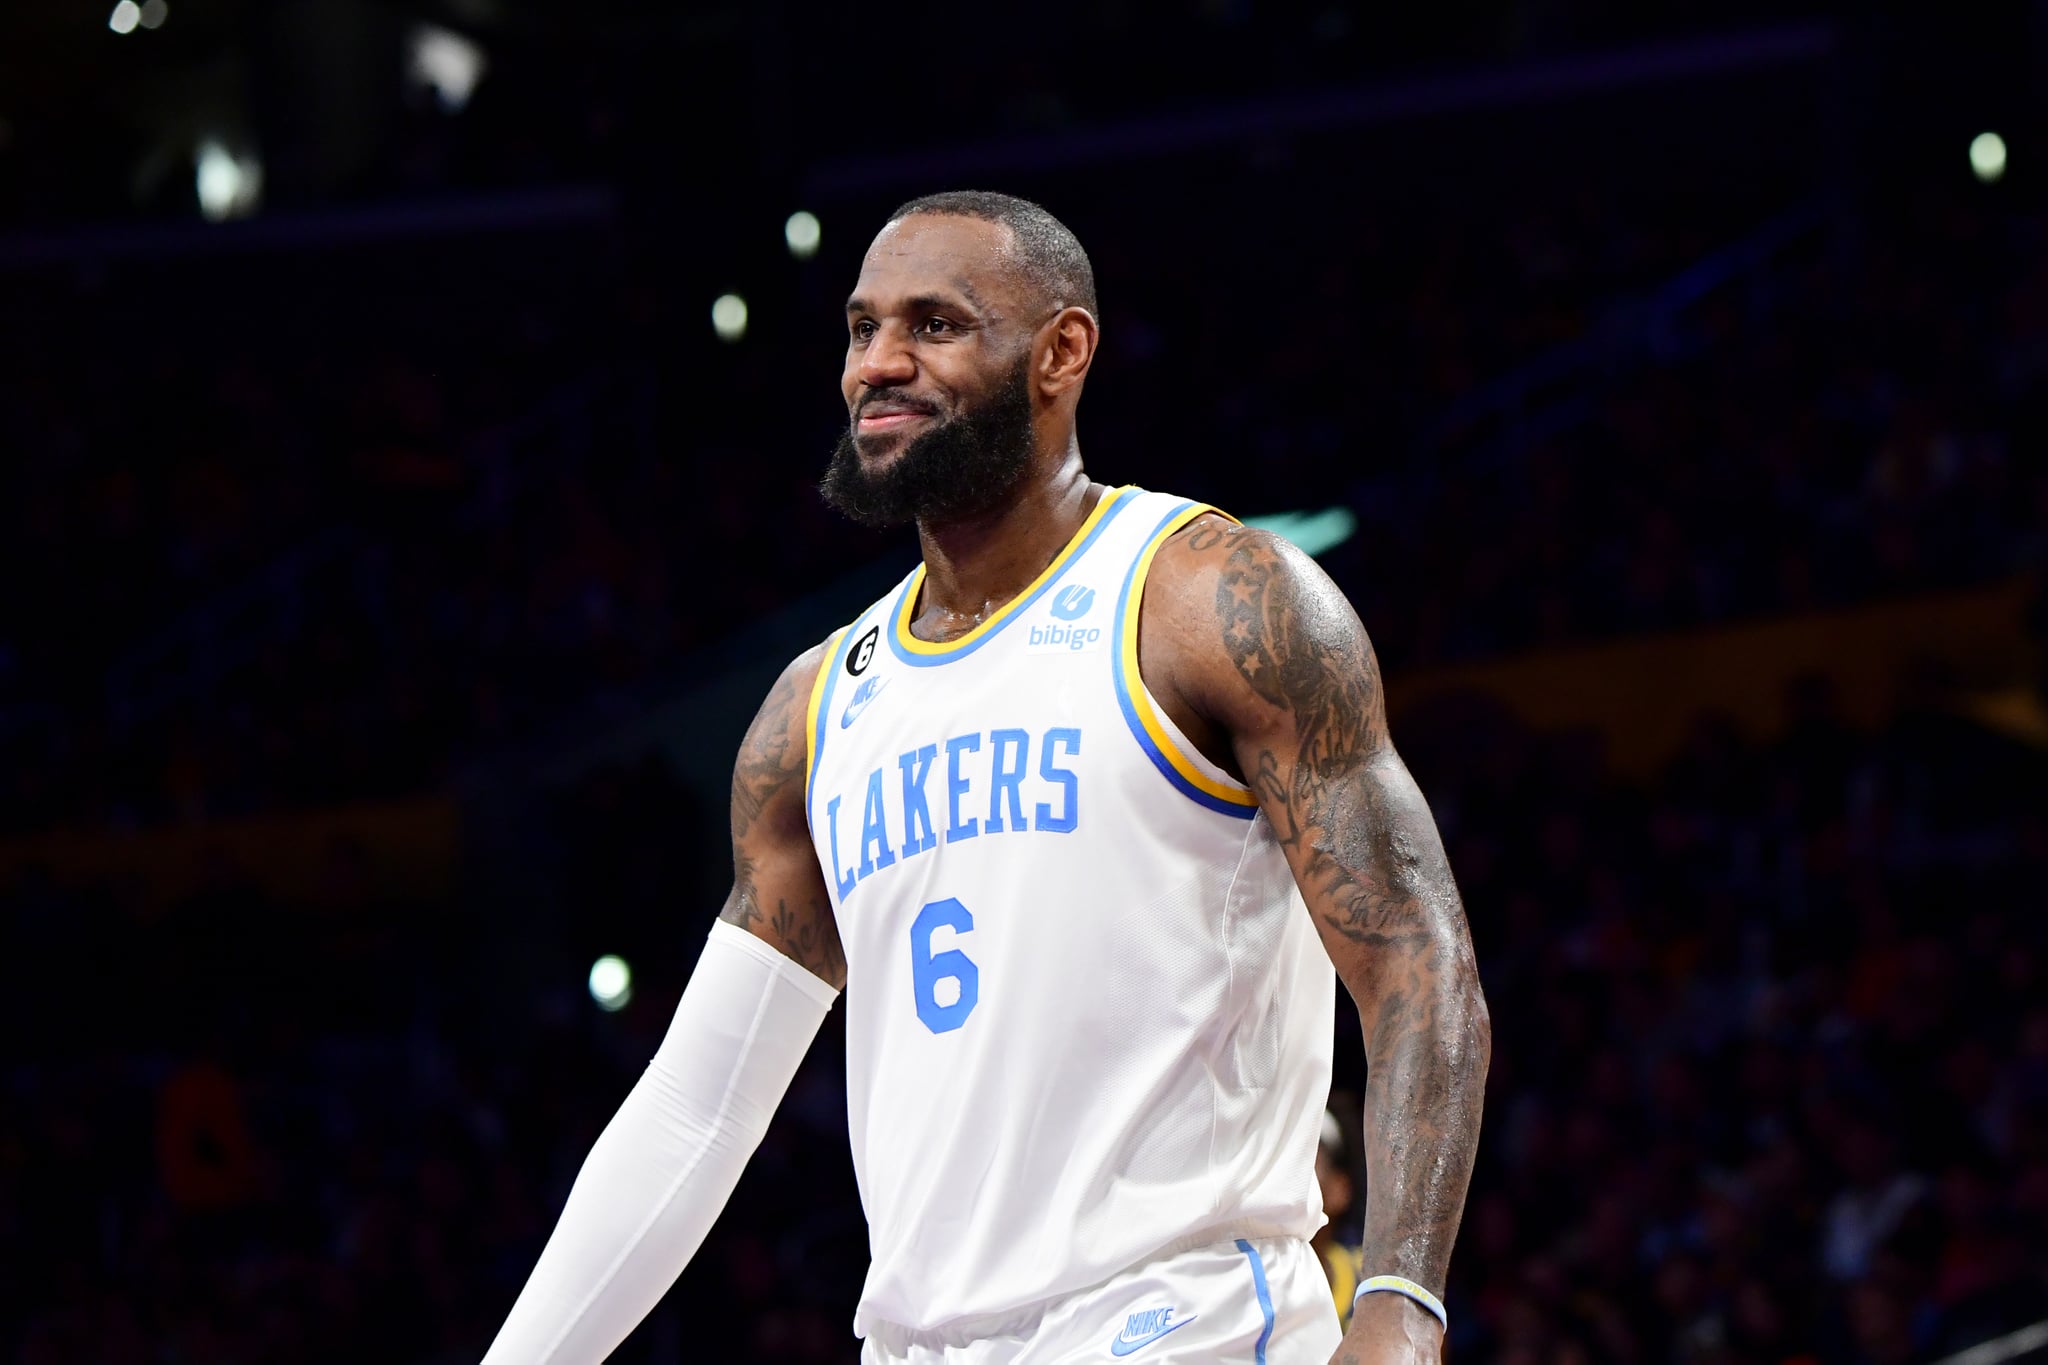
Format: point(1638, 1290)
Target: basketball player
point(1080, 817)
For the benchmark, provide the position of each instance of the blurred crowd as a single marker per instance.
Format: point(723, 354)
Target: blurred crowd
point(296, 575)
point(1772, 1083)
point(1871, 436)
point(1775, 1085)
point(299, 530)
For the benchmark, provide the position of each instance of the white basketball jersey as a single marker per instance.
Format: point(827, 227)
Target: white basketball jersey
point(1088, 1018)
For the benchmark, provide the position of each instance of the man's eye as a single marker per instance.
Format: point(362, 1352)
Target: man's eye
point(936, 326)
point(863, 330)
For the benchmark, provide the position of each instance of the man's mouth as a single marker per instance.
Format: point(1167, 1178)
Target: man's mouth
point(889, 414)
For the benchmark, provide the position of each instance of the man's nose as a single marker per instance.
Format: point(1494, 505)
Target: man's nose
point(887, 361)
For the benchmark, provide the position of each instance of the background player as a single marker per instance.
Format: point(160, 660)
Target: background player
point(1249, 686)
point(1336, 1241)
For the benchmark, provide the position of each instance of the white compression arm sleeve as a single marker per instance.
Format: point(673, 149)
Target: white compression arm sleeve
point(665, 1165)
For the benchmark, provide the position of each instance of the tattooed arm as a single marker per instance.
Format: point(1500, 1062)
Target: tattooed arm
point(778, 891)
point(1266, 661)
point(669, 1159)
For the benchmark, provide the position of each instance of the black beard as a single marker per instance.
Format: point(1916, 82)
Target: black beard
point(956, 471)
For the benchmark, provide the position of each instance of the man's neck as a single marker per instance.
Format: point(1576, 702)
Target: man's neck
point(973, 567)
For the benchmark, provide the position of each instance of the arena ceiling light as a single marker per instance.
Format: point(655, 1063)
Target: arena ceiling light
point(1987, 157)
point(229, 186)
point(1311, 532)
point(803, 234)
point(729, 317)
point(154, 12)
point(126, 16)
point(611, 983)
point(445, 62)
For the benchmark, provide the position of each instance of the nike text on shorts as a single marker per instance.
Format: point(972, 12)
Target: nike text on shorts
point(1259, 1302)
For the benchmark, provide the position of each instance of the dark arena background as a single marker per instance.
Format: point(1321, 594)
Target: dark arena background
point(411, 415)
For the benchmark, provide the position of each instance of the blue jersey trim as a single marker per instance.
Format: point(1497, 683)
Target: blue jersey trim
point(835, 661)
point(1265, 1297)
point(1124, 703)
point(1119, 499)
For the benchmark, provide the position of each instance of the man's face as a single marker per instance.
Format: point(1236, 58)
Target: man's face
point(937, 376)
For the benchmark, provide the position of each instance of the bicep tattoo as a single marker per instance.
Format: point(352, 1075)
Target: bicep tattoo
point(771, 755)
point(1297, 645)
point(778, 894)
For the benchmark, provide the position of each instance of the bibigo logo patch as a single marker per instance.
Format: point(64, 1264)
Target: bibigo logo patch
point(1069, 604)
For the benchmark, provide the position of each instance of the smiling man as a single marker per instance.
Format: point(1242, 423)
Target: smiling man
point(1083, 817)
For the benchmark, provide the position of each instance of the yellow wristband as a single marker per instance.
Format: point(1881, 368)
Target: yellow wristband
point(1394, 1284)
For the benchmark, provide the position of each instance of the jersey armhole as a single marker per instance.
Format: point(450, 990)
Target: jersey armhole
point(1184, 768)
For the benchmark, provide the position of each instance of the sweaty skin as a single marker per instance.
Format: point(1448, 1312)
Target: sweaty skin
point(1258, 656)
point(1251, 651)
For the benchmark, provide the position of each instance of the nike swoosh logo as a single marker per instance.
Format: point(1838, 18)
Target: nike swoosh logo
point(856, 706)
point(1123, 1346)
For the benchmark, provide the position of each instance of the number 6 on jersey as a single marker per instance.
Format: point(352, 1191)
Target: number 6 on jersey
point(928, 969)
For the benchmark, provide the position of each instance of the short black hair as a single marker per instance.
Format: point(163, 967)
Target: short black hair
point(1050, 256)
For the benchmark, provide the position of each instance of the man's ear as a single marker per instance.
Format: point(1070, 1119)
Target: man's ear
point(1067, 351)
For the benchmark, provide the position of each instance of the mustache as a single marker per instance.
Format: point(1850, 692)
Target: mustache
point(902, 400)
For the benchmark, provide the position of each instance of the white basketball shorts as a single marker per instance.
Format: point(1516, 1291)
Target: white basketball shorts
point(1263, 1302)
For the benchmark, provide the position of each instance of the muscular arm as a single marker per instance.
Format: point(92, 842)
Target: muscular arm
point(778, 891)
point(1265, 652)
point(665, 1165)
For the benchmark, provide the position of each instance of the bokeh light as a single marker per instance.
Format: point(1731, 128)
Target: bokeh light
point(611, 982)
point(1987, 157)
point(803, 233)
point(729, 317)
point(228, 186)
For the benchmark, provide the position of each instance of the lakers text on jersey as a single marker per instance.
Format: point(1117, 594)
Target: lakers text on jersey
point(1088, 1018)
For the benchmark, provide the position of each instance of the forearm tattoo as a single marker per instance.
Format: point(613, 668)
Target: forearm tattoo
point(1372, 868)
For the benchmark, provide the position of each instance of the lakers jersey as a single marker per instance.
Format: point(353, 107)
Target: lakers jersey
point(1088, 1019)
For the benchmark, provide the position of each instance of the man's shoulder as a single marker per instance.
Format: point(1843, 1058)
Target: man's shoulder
point(784, 715)
point(1192, 562)
point(800, 674)
point(1189, 607)
point(1229, 608)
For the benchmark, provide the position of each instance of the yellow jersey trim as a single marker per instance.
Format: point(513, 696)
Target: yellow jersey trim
point(906, 643)
point(1131, 683)
point(817, 705)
